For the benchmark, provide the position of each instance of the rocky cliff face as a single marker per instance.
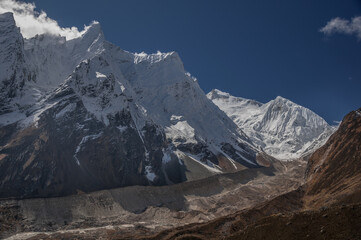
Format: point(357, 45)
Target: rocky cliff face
point(12, 63)
point(334, 170)
point(83, 115)
point(282, 128)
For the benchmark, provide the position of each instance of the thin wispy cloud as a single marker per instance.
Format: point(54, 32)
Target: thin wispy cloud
point(32, 22)
point(343, 26)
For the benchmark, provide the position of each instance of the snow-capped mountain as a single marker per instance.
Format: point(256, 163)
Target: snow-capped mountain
point(282, 128)
point(12, 71)
point(82, 115)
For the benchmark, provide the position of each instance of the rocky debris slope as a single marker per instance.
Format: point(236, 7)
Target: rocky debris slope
point(83, 115)
point(145, 210)
point(280, 127)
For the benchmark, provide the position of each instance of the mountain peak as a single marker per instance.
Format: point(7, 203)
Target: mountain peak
point(7, 22)
point(12, 71)
point(216, 93)
point(156, 57)
point(8, 16)
point(281, 127)
point(93, 30)
point(282, 99)
point(224, 96)
point(11, 43)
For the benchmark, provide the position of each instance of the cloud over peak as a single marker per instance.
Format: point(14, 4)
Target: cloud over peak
point(343, 26)
point(32, 22)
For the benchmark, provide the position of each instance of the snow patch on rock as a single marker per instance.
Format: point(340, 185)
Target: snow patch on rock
point(83, 141)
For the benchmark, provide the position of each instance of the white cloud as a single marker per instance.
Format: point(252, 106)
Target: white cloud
point(32, 22)
point(339, 25)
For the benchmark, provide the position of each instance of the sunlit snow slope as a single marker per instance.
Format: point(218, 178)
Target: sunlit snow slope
point(282, 128)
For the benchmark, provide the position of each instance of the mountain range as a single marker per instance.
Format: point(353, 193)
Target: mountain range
point(84, 115)
point(98, 142)
point(84, 109)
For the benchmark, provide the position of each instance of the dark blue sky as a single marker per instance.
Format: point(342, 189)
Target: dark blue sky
point(253, 49)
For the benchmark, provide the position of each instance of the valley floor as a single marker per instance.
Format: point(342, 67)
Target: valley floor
point(125, 213)
point(338, 222)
